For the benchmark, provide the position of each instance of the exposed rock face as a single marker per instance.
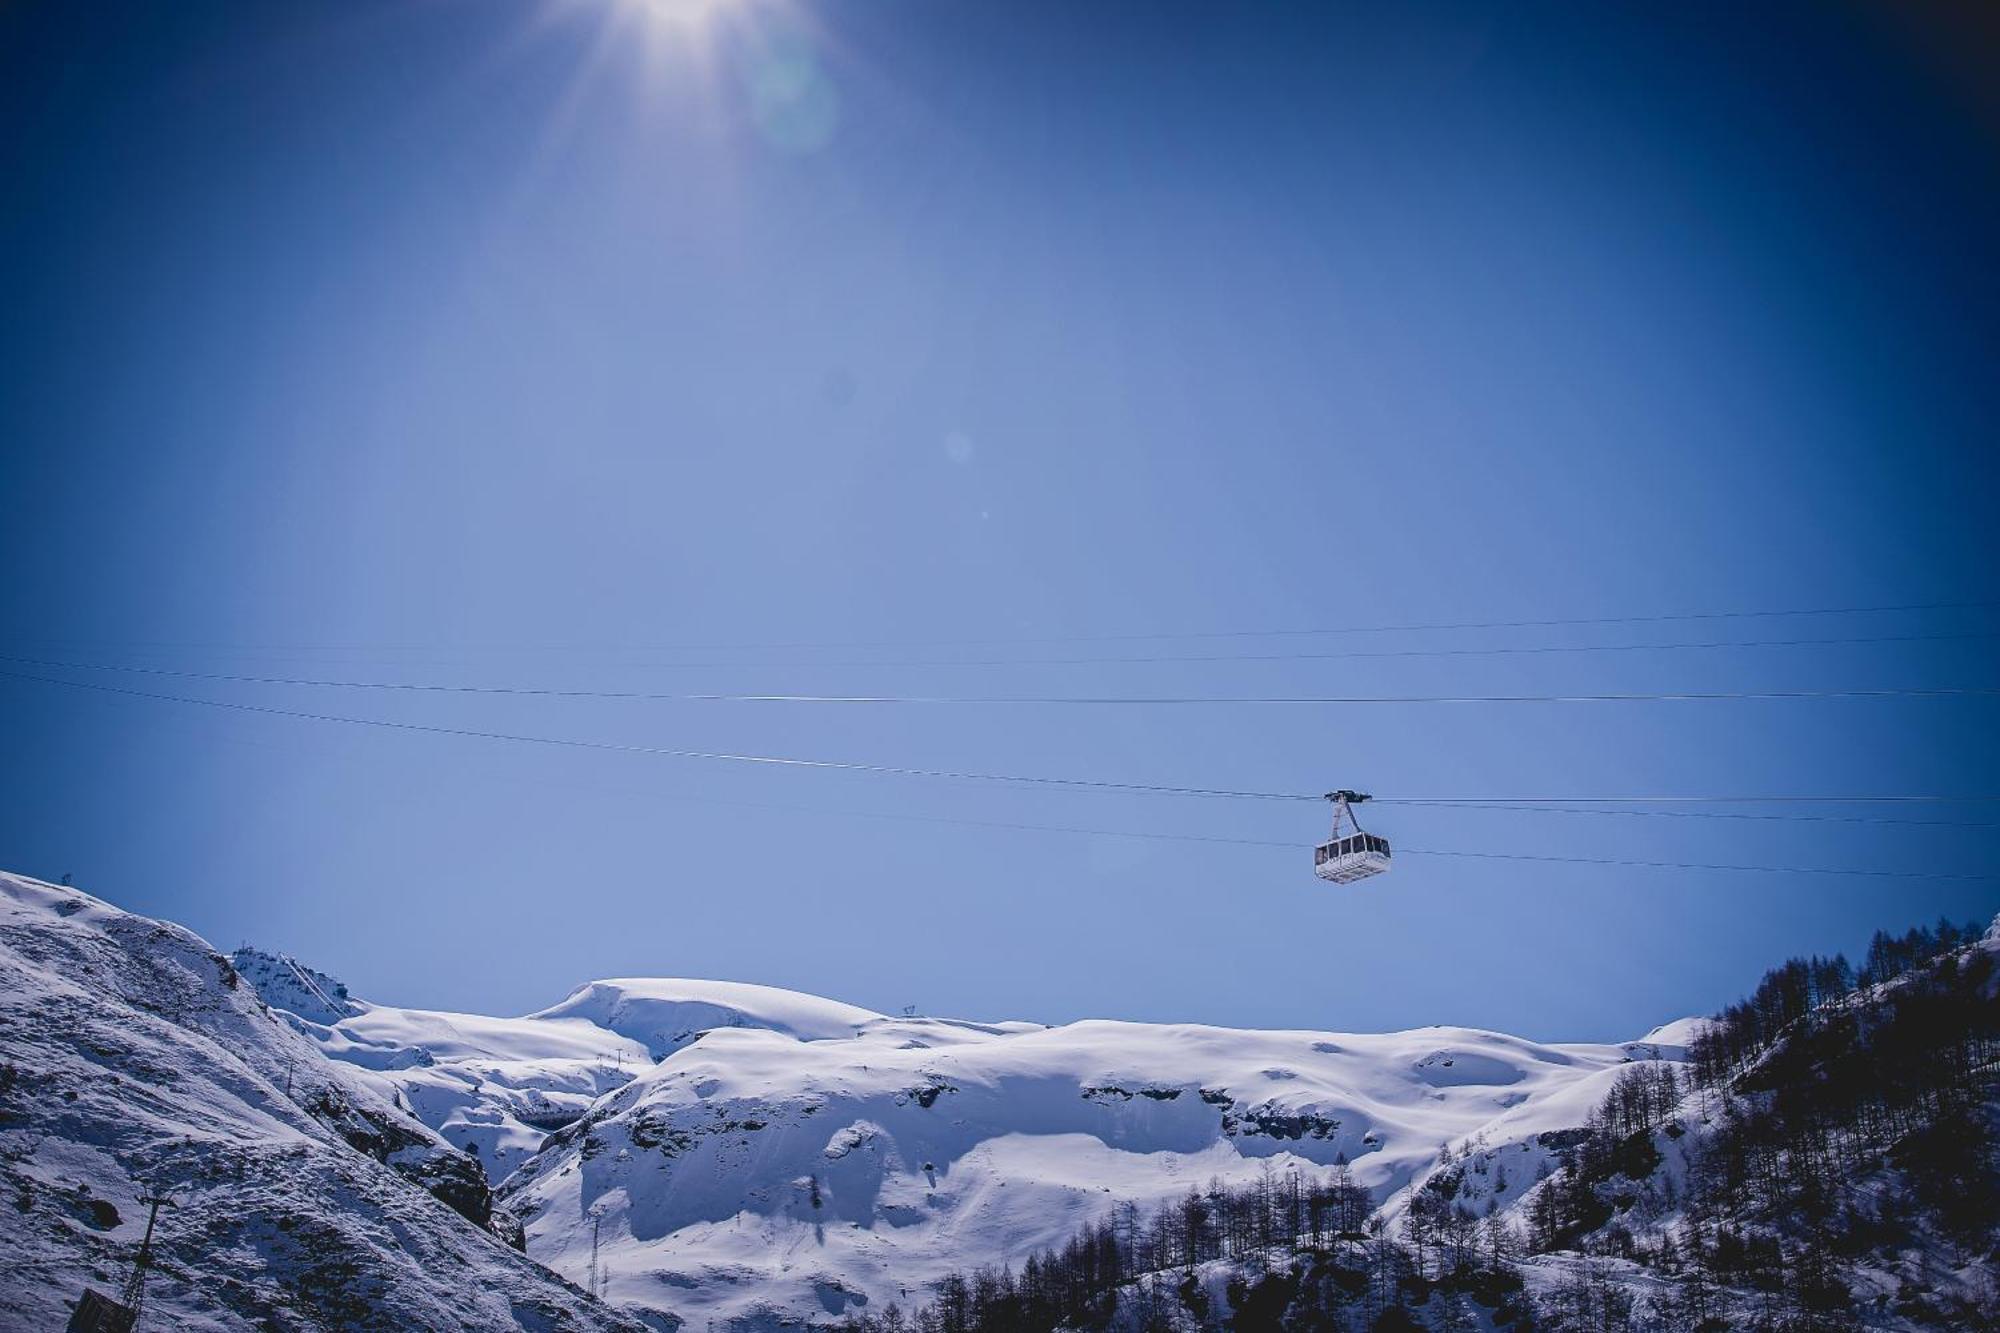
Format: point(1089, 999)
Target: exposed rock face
point(285, 983)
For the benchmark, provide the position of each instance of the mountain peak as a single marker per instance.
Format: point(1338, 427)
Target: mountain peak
point(286, 983)
point(666, 1013)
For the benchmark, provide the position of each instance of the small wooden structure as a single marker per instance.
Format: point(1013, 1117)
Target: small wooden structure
point(98, 1313)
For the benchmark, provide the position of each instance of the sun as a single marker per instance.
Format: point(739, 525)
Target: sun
point(754, 70)
point(658, 45)
point(675, 34)
point(695, 15)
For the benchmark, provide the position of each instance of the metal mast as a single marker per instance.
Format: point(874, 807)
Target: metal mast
point(134, 1296)
point(596, 1225)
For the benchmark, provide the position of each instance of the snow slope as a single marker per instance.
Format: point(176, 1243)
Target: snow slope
point(763, 1158)
point(755, 1177)
point(666, 1015)
point(132, 1055)
point(497, 1087)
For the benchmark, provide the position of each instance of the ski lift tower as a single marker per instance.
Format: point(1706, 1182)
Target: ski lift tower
point(597, 1273)
point(125, 1315)
point(133, 1298)
point(99, 1314)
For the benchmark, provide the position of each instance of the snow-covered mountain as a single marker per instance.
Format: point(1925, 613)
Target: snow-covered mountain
point(706, 1153)
point(134, 1057)
point(762, 1158)
point(755, 1174)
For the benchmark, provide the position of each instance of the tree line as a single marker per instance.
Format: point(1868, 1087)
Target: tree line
point(1822, 1078)
point(1824, 1074)
point(1304, 1251)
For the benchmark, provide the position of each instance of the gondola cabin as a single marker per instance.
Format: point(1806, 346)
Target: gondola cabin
point(1350, 854)
point(1356, 856)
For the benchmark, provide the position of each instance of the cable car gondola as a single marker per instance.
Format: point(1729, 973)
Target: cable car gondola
point(1345, 858)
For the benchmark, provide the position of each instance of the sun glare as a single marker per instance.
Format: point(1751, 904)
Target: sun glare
point(760, 62)
point(676, 35)
point(692, 14)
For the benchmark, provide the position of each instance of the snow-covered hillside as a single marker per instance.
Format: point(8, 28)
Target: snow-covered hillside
point(755, 1174)
point(764, 1158)
point(132, 1056)
point(713, 1153)
point(498, 1087)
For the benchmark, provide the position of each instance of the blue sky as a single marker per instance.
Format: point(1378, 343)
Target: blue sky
point(736, 347)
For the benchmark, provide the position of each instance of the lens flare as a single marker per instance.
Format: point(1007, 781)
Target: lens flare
point(758, 71)
point(692, 14)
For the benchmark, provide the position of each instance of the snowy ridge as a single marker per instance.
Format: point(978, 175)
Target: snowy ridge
point(765, 1158)
point(287, 984)
point(497, 1087)
point(665, 1014)
point(493, 1087)
point(131, 1055)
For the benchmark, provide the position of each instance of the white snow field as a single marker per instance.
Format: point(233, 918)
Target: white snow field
point(763, 1159)
point(498, 1087)
point(133, 1056)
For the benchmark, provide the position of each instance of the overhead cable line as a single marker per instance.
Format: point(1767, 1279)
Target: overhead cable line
point(1410, 627)
point(1362, 654)
point(1151, 836)
point(1695, 865)
point(659, 696)
point(1346, 655)
point(1510, 802)
point(1702, 814)
point(1169, 636)
point(987, 777)
point(1066, 782)
point(671, 753)
point(903, 771)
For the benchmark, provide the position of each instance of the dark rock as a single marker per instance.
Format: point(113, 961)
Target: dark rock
point(509, 1229)
point(928, 1094)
